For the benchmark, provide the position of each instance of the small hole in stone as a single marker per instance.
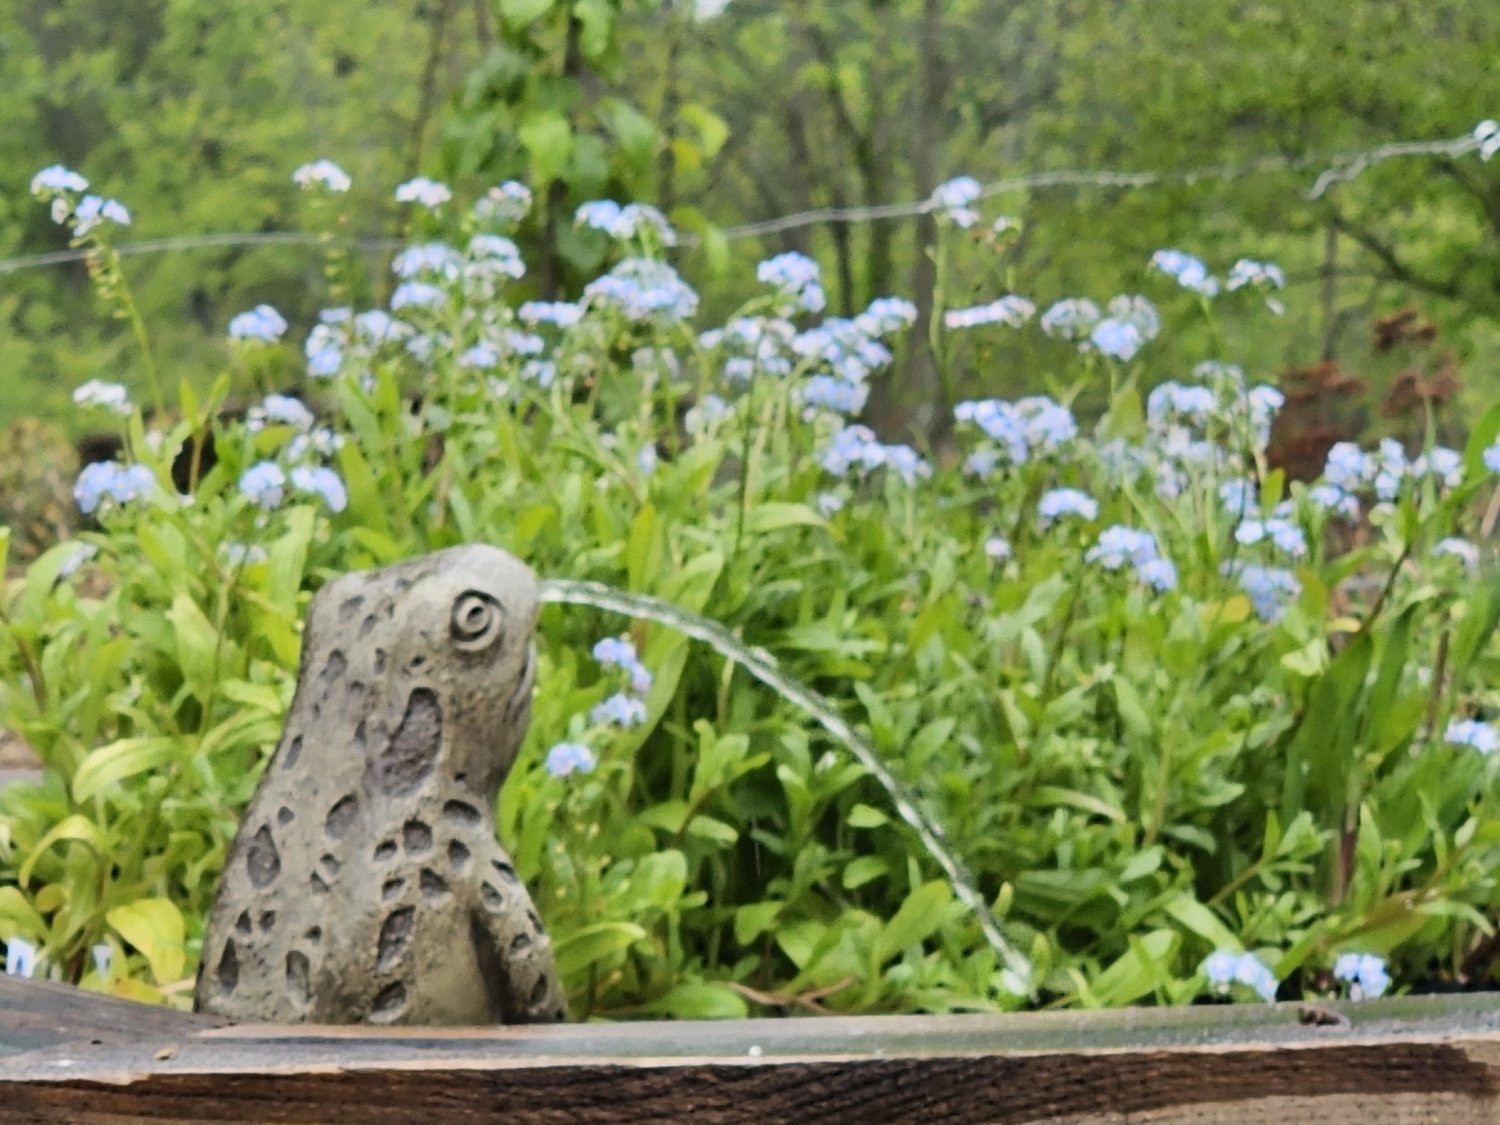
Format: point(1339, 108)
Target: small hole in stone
point(493, 900)
point(416, 837)
point(228, 974)
point(538, 991)
point(293, 752)
point(505, 870)
point(385, 850)
point(267, 920)
point(285, 816)
point(318, 885)
point(296, 977)
point(342, 816)
point(390, 889)
point(314, 935)
point(458, 855)
point(367, 626)
point(330, 864)
point(389, 1001)
point(242, 923)
point(461, 813)
point(520, 944)
point(380, 661)
point(433, 885)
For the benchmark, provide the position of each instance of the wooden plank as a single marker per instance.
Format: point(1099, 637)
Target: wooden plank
point(1428, 1058)
point(39, 1014)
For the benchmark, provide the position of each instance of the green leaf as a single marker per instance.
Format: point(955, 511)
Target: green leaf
point(916, 920)
point(773, 516)
point(1202, 921)
point(712, 129)
point(548, 140)
point(519, 13)
point(866, 816)
point(864, 869)
point(154, 926)
point(1139, 970)
point(73, 827)
point(124, 758)
point(197, 641)
point(593, 944)
point(754, 919)
point(659, 880)
point(699, 1000)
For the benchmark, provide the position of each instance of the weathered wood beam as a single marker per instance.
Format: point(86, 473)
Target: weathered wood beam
point(1418, 1058)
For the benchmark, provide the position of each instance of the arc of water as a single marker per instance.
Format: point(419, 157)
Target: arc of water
point(762, 665)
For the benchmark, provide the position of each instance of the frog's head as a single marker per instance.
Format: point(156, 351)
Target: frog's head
point(437, 664)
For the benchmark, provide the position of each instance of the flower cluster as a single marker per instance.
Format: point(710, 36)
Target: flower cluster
point(424, 192)
point(1010, 309)
point(1061, 502)
point(1118, 546)
point(796, 278)
point(1188, 271)
point(62, 187)
point(262, 323)
point(1224, 969)
point(1364, 973)
point(625, 223)
point(1270, 589)
point(857, 447)
point(1030, 427)
point(1132, 323)
point(626, 708)
point(643, 290)
point(323, 174)
point(1483, 737)
point(108, 396)
point(954, 201)
point(108, 481)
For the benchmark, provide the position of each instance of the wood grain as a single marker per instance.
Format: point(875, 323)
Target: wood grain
point(1413, 1059)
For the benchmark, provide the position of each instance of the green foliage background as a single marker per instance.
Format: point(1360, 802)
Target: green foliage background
point(200, 110)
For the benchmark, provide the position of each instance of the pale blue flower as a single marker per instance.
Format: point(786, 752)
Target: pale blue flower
point(435, 258)
point(261, 323)
point(1118, 545)
point(105, 480)
point(20, 957)
point(92, 211)
point(104, 956)
point(1220, 967)
point(569, 757)
point(1224, 969)
point(264, 484)
point(906, 463)
point(1492, 457)
point(952, 201)
point(1240, 495)
point(1460, 549)
point(1060, 502)
point(828, 393)
point(1159, 574)
point(1271, 589)
point(1472, 733)
point(887, 315)
point(427, 193)
point(542, 372)
point(80, 554)
point(1442, 463)
point(418, 294)
point(324, 174)
point(1247, 271)
point(507, 203)
point(1348, 467)
point(56, 180)
point(1285, 536)
point(797, 277)
point(829, 504)
point(241, 554)
point(562, 314)
point(319, 481)
point(280, 410)
point(108, 396)
point(853, 446)
point(981, 463)
point(1390, 469)
point(1365, 973)
point(644, 290)
point(1188, 271)
point(1332, 498)
point(1011, 310)
point(1118, 339)
point(997, 550)
point(621, 710)
point(1195, 404)
point(1072, 318)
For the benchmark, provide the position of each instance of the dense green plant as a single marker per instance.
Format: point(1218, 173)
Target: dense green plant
point(1162, 703)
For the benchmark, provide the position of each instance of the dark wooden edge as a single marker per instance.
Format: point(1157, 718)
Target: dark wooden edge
point(112, 1061)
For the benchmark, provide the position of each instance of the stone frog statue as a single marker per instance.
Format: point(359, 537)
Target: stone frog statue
point(366, 884)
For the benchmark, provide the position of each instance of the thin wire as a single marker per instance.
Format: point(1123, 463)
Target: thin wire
point(1338, 169)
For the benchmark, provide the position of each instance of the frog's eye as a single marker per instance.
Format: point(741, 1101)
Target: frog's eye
point(477, 621)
